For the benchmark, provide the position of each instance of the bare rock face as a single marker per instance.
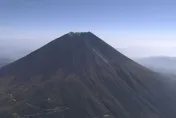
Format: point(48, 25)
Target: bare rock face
point(80, 76)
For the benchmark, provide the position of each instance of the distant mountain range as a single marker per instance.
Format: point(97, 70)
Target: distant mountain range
point(80, 76)
point(159, 64)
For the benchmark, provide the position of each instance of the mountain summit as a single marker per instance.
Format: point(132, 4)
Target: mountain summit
point(80, 76)
point(71, 52)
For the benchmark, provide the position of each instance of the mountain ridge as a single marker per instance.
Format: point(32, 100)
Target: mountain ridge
point(79, 75)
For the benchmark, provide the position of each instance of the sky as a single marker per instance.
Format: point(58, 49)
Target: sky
point(137, 28)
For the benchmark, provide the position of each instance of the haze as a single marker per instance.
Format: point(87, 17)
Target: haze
point(137, 28)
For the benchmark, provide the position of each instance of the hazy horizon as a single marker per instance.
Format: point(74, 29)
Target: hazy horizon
point(136, 28)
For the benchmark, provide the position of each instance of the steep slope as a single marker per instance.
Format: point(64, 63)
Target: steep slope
point(80, 76)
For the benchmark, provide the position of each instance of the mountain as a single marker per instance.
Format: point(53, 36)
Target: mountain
point(159, 64)
point(80, 76)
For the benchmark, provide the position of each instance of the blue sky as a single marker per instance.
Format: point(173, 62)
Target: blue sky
point(136, 27)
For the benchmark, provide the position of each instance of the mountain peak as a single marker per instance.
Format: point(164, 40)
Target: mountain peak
point(79, 33)
point(74, 38)
point(71, 52)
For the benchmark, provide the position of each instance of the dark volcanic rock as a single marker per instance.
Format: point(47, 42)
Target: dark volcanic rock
point(80, 76)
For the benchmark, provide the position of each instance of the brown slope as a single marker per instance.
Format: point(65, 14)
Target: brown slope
point(80, 76)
